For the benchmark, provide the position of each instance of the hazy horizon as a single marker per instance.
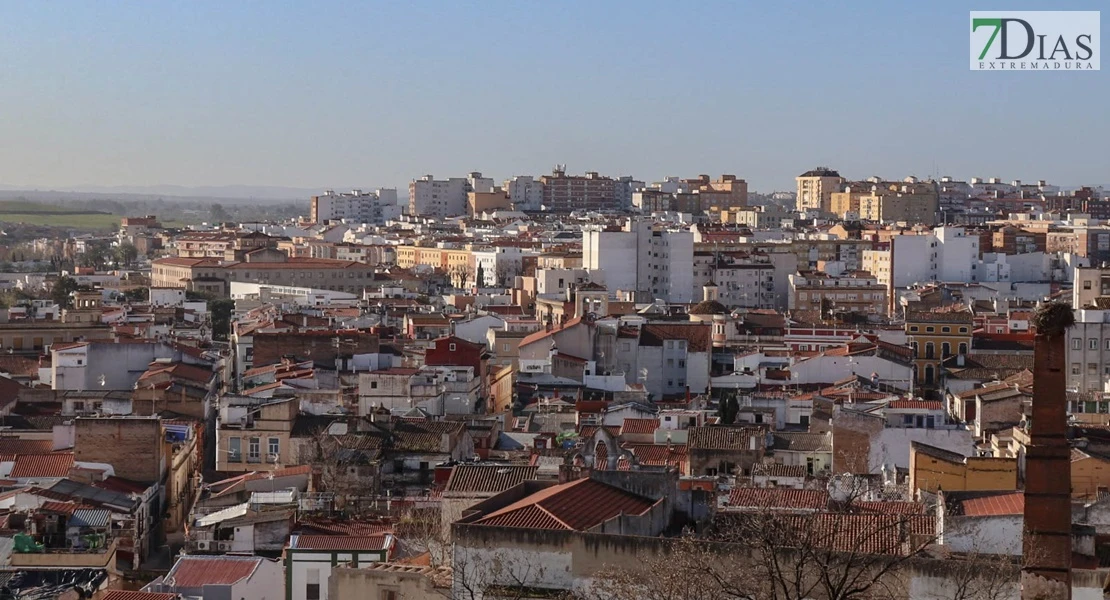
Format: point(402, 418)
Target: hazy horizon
point(285, 96)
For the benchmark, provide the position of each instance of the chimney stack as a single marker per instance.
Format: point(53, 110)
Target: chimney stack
point(1046, 540)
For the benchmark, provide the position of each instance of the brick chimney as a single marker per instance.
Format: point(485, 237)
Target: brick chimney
point(1046, 551)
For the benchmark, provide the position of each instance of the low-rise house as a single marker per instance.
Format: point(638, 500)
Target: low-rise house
point(221, 577)
point(933, 469)
point(813, 451)
point(970, 522)
point(469, 484)
point(254, 434)
point(310, 558)
point(724, 451)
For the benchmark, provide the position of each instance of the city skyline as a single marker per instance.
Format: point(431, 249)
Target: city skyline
point(286, 96)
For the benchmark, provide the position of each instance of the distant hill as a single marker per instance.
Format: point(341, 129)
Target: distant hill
point(223, 192)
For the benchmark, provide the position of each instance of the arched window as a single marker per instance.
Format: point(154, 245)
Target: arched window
point(963, 347)
point(945, 350)
point(929, 351)
point(928, 374)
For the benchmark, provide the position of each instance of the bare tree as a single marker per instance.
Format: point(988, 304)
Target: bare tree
point(501, 575)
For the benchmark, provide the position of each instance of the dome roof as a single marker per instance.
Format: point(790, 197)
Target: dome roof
point(709, 307)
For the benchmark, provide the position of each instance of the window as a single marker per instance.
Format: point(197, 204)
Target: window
point(1076, 343)
point(312, 584)
point(451, 347)
point(930, 352)
point(254, 450)
point(235, 450)
point(398, 466)
point(389, 595)
point(1086, 285)
point(1092, 368)
point(930, 329)
point(275, 448)
point(504, 347)
point(963, 330)
point(373, 385)
point(945, 349)
point(670, 383)
point(1092, 343)
point(1074, 368)
point(963, 347)
point(945, 329)
point(681, 364)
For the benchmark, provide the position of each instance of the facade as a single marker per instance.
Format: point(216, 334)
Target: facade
point(309, 560)
point(644, 260)
point(431, 197)
point(565, 193)
point(524, 192)
point(857, 292)
point(267, 267)
point(816, 187)
point(909, 201)
point(355, 207)
point(254, 435)
point(1088, 351)
point(934, 337)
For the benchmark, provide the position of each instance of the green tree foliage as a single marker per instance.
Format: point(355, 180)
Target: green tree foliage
point(221, 318)
point(60, 294)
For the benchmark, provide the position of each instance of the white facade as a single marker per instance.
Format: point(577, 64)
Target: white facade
point(499, 266)
point(1088, 350)
point(524, 192)
point(949, 255)
point(555, 281)
point(357, 207)
point(441, 198)
point(654, 262)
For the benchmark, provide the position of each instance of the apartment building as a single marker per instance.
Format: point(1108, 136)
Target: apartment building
point(1090, 283)
point(646, 260)
point(441, 198)
point(1088, 352)
point(911, 201)
point(222, 245)
point(254, 435)
point(524, 192)
point(724, 193)
point(816, 187)
point(565, 193)
point(266, 267)
point(356, 206)
point(854, 292)
point(934, 337)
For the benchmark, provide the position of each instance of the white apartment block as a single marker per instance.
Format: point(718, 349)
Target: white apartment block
point(499, 266)
point(525, 192)
point(949, 255)
point(431, 197)
point(356, 206)
point(645, 259)
point(1088, 351)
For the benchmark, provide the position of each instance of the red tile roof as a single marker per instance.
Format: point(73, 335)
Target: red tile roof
point(988, 504)
point(42, 465)
point(636, 426)
point(778, 498)
point(193, 571)
point(344, 527)
point(130, 595)
point(488, 478)
point(577, 506)
point(697, 336)
point(917, 404)
point(11, 445)
point(342, 542)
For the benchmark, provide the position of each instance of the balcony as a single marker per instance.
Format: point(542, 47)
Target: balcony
point(67, 558)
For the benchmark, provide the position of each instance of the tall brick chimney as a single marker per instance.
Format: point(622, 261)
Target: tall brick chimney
point(1046, 543)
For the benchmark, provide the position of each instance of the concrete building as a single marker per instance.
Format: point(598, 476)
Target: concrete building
point(643, 260)
point(1088, 351)
point(221, 577)
point(254, 434)
point(935, 336)
point(309, 561)
point(624, 187)
point(1090, 283)
point(910, 201)
point(816, 187)
point(856, 292)
point(431, 197)
point(565, 193)
point(355, 207)
point(264, 266)
point(524, 192)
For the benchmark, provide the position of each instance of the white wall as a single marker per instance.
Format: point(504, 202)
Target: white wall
point(990, 535)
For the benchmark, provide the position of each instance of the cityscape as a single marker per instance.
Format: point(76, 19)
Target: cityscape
point(674, 341)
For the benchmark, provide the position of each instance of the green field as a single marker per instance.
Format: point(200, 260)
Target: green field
point(82, 220)
point(54, 215)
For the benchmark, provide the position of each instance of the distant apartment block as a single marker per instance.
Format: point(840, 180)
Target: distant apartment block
point(264, 266)
point(356, 206)
point(565, 193)
point(815, 188)
point(524, 192)
point(648, 260)
point(431, 197)
point(855, 292)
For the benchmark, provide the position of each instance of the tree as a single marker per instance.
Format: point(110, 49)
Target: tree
point(221, 311)
point(728, 409)
point(480, 277)
point(218, 214)
point(61, 293)
point(126, 253)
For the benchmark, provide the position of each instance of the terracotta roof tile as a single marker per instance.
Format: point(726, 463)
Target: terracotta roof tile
point(131, 595)
point(933, 405)
point(697, 336)
point(638, 426)
point(578, 505)
point(985, 504)
point(778, 498)
point(193, 571)
point(726, 438)
point(42, 465)
point(488, 478)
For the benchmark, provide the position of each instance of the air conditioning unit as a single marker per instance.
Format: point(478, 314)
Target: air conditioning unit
point(223, 546)
point(202, 545)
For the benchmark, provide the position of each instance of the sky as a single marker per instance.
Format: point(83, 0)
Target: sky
point(370, 94)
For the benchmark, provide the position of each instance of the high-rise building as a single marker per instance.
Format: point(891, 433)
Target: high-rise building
point(356, 206)
point(565, 193)
point(646, 260)
point(431, 197)
point(815, 188)
point(624, 187)
point(525, 192)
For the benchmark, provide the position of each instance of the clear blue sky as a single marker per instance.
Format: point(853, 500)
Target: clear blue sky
point(376, 93)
